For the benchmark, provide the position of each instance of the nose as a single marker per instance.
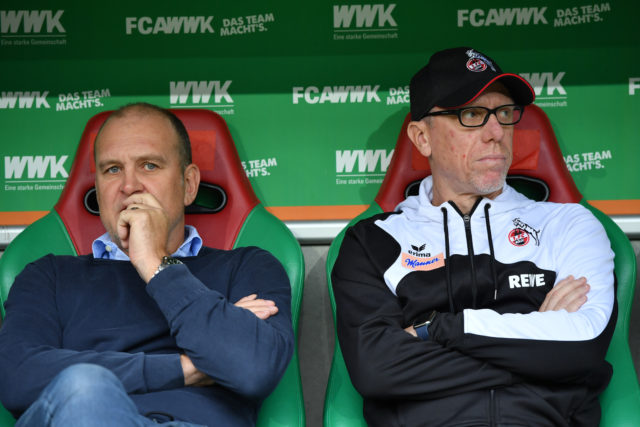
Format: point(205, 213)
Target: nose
point(131, 183)
point(493, 130)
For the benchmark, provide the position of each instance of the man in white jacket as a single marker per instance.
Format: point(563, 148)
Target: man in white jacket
point(471, 304)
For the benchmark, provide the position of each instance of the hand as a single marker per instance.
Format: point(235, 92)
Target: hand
point(262, 308)
point(143, 231)
point(192, 376)
point(411, 330)
point(568, 294)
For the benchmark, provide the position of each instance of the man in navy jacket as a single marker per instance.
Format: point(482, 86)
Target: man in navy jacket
point(152, 327)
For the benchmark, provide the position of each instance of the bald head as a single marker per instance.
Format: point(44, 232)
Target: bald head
point(142, 109)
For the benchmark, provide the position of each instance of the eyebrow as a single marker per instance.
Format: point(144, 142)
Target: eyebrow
point(150, 157)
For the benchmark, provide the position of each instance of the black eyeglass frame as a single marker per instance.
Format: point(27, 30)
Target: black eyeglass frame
point(458, 112)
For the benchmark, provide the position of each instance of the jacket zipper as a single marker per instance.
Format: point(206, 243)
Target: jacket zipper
point(492, 409)
point(467, 228)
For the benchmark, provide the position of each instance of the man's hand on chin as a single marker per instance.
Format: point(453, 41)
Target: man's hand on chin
point(143, 230)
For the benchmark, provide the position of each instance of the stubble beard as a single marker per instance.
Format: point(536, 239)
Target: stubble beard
point(491, 186)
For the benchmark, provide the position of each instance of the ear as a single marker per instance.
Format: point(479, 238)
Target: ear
point(191, 183)
point(418, 132)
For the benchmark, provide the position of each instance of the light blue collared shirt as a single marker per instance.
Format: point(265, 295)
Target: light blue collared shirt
point(104, 248)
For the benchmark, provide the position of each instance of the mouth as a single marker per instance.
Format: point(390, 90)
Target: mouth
point(493, 163)
point(493, 158)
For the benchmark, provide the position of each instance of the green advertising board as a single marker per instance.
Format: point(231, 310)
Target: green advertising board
point(314, 92)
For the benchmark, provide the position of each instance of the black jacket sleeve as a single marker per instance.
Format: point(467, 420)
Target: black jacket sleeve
point(383, 360)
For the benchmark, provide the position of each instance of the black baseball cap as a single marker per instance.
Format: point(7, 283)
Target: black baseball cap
point(455, 77)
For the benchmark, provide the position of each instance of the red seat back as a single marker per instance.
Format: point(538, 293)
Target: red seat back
point(536, 154)
point(213, 151)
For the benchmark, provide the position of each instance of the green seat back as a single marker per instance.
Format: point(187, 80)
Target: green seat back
point(285, 406)
point(47, 235)
point(342, 403)
point(621, 400)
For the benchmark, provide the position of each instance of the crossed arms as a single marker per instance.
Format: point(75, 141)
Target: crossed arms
point(474, 349)
point(230, 322)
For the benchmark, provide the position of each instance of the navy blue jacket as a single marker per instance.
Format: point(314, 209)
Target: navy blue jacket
point(65, 310)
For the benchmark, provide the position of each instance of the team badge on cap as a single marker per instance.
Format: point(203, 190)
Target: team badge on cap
point(476, 65)
point(478, 62)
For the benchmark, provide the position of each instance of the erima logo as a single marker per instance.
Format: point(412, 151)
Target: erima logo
point(30, 21)
point(200, 91)
point(365, 16)
point(10, 100)
point(146, 25)
point(336, 94)
point(526, 280)
point(367, 160)
point(541, 80)
point(35, 166)
point(417, 251)
point(502, 17)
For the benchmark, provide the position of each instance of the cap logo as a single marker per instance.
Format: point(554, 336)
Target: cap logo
point(476, 65)
point(478, 62)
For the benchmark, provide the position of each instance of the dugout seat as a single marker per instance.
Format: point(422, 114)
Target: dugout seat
point(538, 171)
point(226, 213)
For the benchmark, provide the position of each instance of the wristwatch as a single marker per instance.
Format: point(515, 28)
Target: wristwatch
point(421, 324)
point(167, 261)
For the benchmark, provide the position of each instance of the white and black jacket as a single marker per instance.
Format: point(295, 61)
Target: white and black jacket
point(492, 358)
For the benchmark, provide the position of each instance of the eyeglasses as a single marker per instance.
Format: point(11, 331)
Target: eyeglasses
point(475, 117)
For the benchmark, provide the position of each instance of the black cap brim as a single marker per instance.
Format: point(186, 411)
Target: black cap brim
point(520, 90)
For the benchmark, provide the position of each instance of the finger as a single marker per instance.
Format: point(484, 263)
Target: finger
point(567, 279)
point(136, 206)
point(574, 300)
point(247, 298)
point(254, 303)
point(258, 302)
point(204, 382)
point(568, 295)
point(561, 291)
point(259, 307)
point(410, 330)
point(576, 304)
point(265, 314)
point(122, 228)
point(545, 304)
point(551, 298)
point(145, 199)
